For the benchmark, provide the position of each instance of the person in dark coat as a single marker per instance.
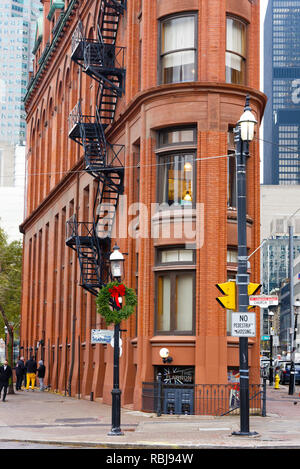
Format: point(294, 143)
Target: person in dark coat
point(20, 372)
point(31, 373)
point(5, 374)
point(41, 374)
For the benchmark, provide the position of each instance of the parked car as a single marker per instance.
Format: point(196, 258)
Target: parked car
point(284, 373)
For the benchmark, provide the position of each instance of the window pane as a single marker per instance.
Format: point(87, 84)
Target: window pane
point(174, 255)
point(178, 67)
point(169, 256)
point(178, 50)
point(176, 136)
point(186, 255)
point(235, 68)
point(164, 303)
point(235, 51)
point(176, 179)
point(178, 33)
point(184, 302)
point(235, 37)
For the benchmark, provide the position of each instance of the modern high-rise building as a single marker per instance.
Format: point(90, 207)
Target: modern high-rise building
point(130, 118)
point(282, 87)
point(17, 36)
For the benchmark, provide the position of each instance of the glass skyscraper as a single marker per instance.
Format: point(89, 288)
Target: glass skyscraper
point(17, 34)
point(17, 29)
point(282, 87)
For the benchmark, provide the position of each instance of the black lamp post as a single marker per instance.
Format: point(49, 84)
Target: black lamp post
point(271, 374)
point(292, 369)
point(244, 133)
point(116, 265)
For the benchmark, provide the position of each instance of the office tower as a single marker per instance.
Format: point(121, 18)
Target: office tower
point(17, 30)
point(17, 36)
point(282, 87)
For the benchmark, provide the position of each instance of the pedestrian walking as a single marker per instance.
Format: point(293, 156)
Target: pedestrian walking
point(5, 374)
point(31, 368)
point(20, 372)
point(41, 374)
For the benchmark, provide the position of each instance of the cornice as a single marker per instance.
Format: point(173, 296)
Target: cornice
point(177, 89)
point(33, 84)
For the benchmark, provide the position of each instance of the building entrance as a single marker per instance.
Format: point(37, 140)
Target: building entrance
point(177, 389)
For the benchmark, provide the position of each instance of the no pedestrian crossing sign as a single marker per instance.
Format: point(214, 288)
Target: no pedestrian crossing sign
point(243, 325)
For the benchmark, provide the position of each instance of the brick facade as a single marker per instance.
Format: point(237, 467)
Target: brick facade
point(55, 308)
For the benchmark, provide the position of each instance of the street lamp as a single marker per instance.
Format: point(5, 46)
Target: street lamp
point(243, 134)
point(116, 260)
point(116, 266)
point(292, 369)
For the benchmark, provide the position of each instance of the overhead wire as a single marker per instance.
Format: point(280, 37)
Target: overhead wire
point(202, 158)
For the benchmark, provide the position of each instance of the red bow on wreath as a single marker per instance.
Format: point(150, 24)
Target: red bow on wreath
point(117, 291)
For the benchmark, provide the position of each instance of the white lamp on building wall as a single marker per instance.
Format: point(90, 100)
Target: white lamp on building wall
point(165, 355)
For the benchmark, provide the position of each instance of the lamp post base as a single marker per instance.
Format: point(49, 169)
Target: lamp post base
point(115, 432)
point(244, 433)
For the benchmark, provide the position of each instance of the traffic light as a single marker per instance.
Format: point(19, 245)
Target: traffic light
point(229, 290)
point(253, 288)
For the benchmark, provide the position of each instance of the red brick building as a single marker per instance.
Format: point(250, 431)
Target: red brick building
point(135, 102)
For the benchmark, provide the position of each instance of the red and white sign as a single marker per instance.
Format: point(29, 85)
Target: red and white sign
point(263, 300)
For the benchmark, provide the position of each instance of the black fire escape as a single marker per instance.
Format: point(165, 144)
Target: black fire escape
point(102, 60)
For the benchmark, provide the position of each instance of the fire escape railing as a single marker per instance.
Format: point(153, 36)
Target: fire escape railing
point(102, 60)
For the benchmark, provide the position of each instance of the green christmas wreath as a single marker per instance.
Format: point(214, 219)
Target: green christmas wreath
point(110, 295)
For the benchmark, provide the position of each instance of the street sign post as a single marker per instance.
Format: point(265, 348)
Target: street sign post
point(263, 301)
point(243, 325)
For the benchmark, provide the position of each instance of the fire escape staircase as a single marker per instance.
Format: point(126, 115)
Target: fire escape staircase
point(102, 60)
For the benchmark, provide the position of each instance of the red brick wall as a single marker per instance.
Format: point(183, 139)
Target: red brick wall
point(54, 306)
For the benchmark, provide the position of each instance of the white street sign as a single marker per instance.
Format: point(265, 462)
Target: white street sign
point(263, 301)
point(101, 336)
point(243, 325)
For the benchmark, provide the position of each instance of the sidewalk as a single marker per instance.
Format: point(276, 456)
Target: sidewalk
point(44, 417)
